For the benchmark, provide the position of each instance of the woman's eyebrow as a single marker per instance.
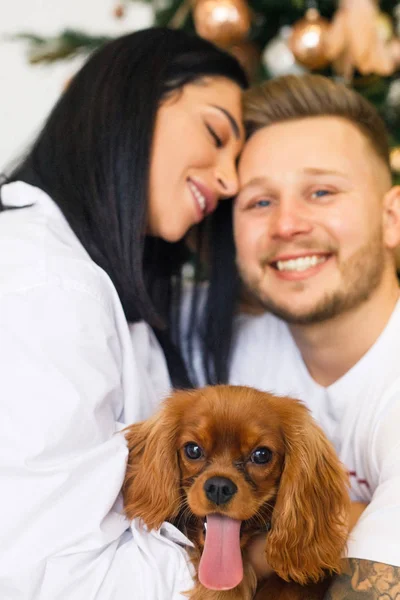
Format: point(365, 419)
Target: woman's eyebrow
point(231, 119)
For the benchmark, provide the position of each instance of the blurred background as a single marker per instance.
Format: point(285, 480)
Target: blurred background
point(43, 43)
point(28, 91)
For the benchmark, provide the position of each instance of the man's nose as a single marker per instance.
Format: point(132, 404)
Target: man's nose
point(289, 219)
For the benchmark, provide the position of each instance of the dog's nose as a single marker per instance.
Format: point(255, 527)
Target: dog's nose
point(219, 489)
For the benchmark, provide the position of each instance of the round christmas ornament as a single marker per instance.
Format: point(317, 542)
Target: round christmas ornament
point(224, 22)
point(307, 40)
point(278, 58)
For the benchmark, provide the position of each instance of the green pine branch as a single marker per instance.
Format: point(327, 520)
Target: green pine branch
point(69, 43)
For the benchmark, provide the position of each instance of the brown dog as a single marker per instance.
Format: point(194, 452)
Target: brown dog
point(225, 463)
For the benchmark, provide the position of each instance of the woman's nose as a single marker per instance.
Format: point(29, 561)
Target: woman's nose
point(227, 178)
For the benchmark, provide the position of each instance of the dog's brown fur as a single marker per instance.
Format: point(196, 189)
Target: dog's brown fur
point(301, 493)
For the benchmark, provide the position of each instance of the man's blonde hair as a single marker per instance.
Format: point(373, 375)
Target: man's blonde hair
point(297, 97)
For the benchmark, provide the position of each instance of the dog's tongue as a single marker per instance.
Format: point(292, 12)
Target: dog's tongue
point(221, 566)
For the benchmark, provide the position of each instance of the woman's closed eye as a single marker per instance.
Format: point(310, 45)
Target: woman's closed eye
point(216, 138)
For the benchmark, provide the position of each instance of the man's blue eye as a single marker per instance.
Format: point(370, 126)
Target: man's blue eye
point(320, 193)
point(263, 203)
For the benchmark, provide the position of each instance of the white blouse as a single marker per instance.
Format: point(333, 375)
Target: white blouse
point(73, 373)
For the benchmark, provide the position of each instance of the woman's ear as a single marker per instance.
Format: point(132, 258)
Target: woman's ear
point(151, 488)
point(309, 522)
point(391, 218)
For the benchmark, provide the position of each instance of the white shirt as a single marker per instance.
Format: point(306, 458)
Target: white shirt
point(360, 414)
point(72, 375)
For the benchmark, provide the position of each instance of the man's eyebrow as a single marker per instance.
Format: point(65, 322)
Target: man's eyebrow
point(231, 119)
point(265, 179)
point(256, 181)
point(316, 171)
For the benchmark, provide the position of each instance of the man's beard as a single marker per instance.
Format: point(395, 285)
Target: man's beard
point(361, 275)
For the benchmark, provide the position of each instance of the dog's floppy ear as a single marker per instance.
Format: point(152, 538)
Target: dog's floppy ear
point(151, 488)
point(309, 522)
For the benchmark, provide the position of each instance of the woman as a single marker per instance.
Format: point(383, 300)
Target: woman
point(140, 147)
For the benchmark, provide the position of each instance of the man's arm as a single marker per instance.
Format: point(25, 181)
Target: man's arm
point(365, 580)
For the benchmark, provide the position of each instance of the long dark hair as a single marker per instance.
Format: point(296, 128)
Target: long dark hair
point(93, 159)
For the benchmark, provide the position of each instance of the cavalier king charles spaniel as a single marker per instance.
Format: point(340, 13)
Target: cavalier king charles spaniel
point(225, 463)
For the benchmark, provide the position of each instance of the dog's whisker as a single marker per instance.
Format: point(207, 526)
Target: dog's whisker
point(258, 521)
point(185, 515)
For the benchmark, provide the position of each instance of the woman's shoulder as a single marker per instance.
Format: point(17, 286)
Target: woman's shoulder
point(38, 247)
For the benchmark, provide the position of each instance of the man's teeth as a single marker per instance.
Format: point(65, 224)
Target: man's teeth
point(300, 264)
point(198, 195)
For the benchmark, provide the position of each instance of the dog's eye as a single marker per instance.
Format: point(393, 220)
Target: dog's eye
point(193, 451)
point(261, 456)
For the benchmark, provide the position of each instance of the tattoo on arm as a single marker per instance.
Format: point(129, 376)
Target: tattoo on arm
point(365, 580)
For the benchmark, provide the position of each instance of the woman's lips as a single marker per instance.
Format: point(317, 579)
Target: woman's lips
point(206, 200)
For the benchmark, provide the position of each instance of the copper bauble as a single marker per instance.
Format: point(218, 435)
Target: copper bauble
point(224, 22)
point(307, 40)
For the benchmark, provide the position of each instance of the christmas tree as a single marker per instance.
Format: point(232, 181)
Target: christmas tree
point(357, 41)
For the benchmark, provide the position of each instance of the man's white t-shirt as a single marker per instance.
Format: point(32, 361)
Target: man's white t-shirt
point(73, 374)
point(360, 413)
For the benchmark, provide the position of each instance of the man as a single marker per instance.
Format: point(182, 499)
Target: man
point(316, 226)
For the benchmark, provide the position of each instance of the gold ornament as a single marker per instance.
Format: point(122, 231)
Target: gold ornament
point(395, 159)
point(224, 22)
point(360, 37)
point(308, 38)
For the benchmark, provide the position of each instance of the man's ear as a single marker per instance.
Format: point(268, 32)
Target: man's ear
point(391, 218)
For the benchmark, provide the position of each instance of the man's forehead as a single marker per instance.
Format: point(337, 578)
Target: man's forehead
point(307, 131)
point(312, 146)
